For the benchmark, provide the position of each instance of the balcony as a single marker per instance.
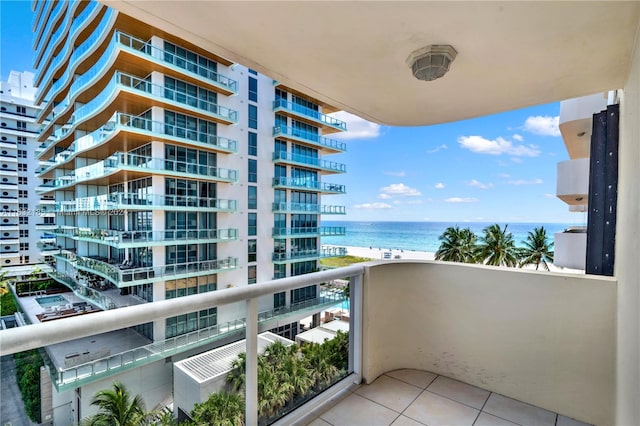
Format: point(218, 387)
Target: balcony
point(138, 131)
point(305, 184)
point(545, 339)
point(130, 239)
point(305, 255)
point(573, 182)
point(126, 276)
point(570, 248)
point(322, 231)
point(125, 91)
point(309, 162)
point(75, 54)
point(309, 138)
point(136, 166)
point(307, 208)
point(132, 201)
point(299, 112)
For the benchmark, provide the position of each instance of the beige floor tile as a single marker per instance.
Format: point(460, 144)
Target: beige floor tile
point(566, 421)
point(435, 410)
point(413, 377)
point(355, 410)
point(518, 412)
point(458, 391)
point(319, 422)
point(406, 421)
point(390, 392)
point(486, 419)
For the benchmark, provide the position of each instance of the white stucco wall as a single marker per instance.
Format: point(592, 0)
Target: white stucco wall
point(627, 266)
point(543, 338)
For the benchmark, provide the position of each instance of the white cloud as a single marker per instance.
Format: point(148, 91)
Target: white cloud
point(517, 160)
point(357, 128)
point(439, 185)
point(414, 202)
point(480, 185)
point(398, 174)
point(436, 149)
point(373, 206)
point(542, 125)
point(461, 200)
point(504, 175)
point(396, 202)
point(517, 137)
point(384, 196)
point(548, 195)
point(497, 146)
point(400, 189)
point(526, 182)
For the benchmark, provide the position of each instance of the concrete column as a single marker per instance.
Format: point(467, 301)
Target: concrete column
point(251, 370)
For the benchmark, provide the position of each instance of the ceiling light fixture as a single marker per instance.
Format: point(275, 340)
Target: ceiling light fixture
point(431, 62)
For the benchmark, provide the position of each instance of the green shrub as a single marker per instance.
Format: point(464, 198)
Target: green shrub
point(7, 304)
point(28, 377)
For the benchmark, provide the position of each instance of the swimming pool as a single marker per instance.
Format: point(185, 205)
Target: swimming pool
point(51, 301)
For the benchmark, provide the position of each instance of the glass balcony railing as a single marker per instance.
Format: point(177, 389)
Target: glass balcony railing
point(301, 255)
point(309, 185)
point(123, 276)
point(79, 23)
point(139, 86)
point(88, 294)
point(125, 161)
point(144, 201)
point(308, 231)
point(44, 51)
point(283, 104)
point(192, 68)
point(123, 239)
point(307, 208)
point(309, 161)
point(42, 34)
point(134, 123)
point(309, 137)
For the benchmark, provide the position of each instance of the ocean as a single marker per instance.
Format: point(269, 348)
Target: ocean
point(420, 236)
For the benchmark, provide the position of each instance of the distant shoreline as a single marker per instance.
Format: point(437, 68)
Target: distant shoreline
point(378, 253)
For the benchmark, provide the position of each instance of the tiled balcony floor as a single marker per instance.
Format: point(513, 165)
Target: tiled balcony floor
point(413, 398)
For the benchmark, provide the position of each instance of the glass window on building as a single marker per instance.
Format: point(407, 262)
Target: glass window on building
point(252, 250)
point(252, 219)
point(252, 202)
point(279, 300)
point(302, 294)
point(253, 117)
point(253, 170)
point(252, 143)
point(253, 89)
point(252, 274)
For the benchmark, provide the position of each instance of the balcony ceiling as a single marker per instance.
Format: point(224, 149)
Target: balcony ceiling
point(510, 54)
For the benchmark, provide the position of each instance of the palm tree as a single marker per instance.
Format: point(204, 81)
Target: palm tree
point(537, 249)
point(497, 247)
point(220, 409)
point(457, 245)
point(116, 407)
point(237, 377)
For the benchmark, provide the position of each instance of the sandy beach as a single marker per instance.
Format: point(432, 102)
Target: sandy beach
point(380, 253)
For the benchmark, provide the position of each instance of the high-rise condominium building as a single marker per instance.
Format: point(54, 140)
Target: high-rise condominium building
point(175, 172)
point(26, 217)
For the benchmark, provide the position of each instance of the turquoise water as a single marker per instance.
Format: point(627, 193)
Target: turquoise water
point(50, 301)
point(420, 236)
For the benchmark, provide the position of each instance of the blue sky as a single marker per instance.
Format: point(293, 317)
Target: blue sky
point(497, 168)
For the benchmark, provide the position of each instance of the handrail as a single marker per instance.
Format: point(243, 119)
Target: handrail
point(20, 339)
point(309, 136)
point(309, 160)
point(306, 111)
